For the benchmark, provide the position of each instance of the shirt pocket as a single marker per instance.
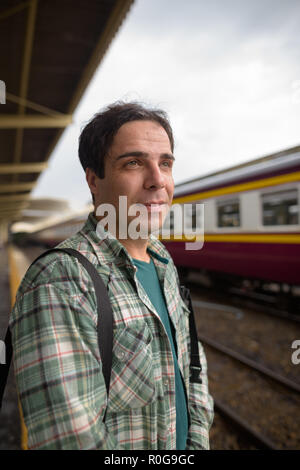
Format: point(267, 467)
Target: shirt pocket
point(132, 379)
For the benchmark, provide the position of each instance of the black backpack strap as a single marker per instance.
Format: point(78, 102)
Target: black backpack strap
point(104, 326)
point(105, 315)
point(195, 366)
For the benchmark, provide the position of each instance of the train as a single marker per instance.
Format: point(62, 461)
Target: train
point(250, 225)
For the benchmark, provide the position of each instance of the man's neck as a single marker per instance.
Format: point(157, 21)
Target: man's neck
point(137, 249)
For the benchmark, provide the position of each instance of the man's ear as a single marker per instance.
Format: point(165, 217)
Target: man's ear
point(91, 179)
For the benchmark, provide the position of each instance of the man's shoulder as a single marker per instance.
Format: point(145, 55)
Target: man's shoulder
point(57, 267)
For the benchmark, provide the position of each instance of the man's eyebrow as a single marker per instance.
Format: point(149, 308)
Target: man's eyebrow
point(143, 155)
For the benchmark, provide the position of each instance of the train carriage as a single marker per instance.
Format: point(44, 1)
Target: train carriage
point(251, 221)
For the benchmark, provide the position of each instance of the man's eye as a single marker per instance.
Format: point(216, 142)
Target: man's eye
point(167, 163)
point(132, 163)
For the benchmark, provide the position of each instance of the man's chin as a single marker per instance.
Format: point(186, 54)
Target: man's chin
point(142, 228)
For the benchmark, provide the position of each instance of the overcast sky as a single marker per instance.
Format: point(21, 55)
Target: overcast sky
point(226, 71)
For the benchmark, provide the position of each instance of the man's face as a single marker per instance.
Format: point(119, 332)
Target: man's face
point(139, 166)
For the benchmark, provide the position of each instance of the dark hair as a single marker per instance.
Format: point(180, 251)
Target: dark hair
point(97, 136)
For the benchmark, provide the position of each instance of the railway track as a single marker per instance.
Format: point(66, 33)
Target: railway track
point(250, 363)
point(266, 303)
point(258, 439)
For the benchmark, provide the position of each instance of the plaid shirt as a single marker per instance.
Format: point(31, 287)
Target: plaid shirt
point(57, 362)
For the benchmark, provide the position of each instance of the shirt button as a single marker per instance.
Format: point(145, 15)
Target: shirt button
point(121, 355)
point(166, 382)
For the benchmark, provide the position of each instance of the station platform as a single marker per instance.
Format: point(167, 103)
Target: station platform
point(13, 265)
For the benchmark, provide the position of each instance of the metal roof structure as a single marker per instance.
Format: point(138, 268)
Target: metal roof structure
point(49, 51)
point(62, 215)
point(40, 209)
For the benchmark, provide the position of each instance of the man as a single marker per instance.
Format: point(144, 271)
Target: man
point(126, 150)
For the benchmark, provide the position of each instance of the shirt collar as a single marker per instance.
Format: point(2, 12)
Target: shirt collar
point(111, 248)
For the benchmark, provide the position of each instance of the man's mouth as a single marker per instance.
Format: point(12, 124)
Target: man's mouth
point(155, 206)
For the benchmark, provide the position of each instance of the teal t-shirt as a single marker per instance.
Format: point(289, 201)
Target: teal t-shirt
point(147, 275)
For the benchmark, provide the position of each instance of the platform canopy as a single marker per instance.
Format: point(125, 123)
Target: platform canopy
point(49, 51)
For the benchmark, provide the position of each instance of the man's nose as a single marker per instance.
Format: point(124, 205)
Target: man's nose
point(154, 177)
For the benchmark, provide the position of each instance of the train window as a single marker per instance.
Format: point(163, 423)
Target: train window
point(184, 219)
point(171, 215)
point(280, 208)
point(193, 216)
point(169, 226)
point(228, 213)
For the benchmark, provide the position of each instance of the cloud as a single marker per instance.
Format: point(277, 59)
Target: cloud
point(226, 71)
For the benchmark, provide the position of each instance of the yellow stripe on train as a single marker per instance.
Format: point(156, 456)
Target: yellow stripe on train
point(240, 238)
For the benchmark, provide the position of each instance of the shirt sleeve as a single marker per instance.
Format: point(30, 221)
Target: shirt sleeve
point(58, 368)
point(201, 408)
